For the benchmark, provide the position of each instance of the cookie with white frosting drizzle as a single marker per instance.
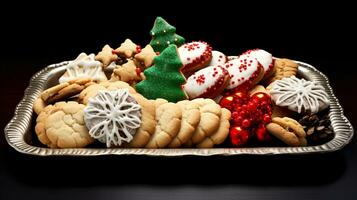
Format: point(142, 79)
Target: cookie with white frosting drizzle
point(299, 95)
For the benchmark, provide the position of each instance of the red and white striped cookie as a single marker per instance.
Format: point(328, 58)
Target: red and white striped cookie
point(245, 71)
point(194, 56)
point(218, 58)
point(208, 82)
point(265, 59)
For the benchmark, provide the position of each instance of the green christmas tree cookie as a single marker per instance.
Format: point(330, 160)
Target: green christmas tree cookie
point(163, 34)
point(164, 79)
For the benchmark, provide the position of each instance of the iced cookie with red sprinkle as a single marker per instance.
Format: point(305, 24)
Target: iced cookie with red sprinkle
point(195, 56)
point(218, 58)
point(265, 59)
point(244, 72)
point(208, 82)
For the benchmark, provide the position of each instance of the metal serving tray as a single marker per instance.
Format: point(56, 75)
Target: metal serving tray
point(19, 130)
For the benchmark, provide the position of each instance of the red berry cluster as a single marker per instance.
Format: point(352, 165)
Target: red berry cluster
point(249, 116)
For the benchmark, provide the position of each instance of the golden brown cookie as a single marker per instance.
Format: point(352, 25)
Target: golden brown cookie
point(158, 102)
point(106, 56)
point(209, 122)
point(127, 49)
point(93, 89)
point(168, 117)
point(148, 122)
point(190, 118)
point(221, 134)
point(287, 130)
point(128, 73)
point(38, 105)
point(62, 126)
point(146, 57)
point(65, 90)
point(283, 68)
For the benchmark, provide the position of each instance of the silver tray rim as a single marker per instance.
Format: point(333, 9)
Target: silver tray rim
point(16, 130)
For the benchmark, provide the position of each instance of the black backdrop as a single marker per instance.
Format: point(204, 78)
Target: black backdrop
point(35, 35)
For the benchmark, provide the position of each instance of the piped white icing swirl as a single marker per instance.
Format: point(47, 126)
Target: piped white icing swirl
point(84, 66)
point(113, 117)
point(299, 95)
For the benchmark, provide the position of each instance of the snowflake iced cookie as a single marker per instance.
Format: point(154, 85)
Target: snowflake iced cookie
point(265, 59)
point(113, 117)
point(62, 126)
point(194, 56)
point(208, 82)
point(245, 71)
point(93, 89)
point(299, 95)
point(84, 66)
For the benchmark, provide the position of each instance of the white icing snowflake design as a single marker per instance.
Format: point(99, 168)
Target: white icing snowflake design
point(84, 66)
point(113, 117)
point(299, 95)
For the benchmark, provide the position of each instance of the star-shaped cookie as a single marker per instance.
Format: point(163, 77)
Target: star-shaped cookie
point(127, 49)
point(106, 56)
point(146, 56)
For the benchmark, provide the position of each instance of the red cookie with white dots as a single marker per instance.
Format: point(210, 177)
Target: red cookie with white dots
point(194, 56)
point(218, 58)
point(245, 72)
point(265, 59)
point(208, 82)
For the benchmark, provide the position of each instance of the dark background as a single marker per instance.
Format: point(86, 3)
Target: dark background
point(36, 35)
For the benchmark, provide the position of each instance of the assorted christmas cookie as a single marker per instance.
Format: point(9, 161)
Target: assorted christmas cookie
point(265, 59)
point(62, 126)
point(245, 72)
point(106, 56)
point(168, 117)
point(113, 117)
point(164, 79)
point(287, 130)
point(218, 58)
point(176, 95)
point(190, 118)
point(283, 68)
point(209, 122)
point(146, 57)
point(163, 35)
point(194, 56)
point(65, 90)
point(128, 73)
point(84, 66)
point(127, 49)
point(208, 82)
point(221, 134)
point(299, 95)
point(93, 89)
